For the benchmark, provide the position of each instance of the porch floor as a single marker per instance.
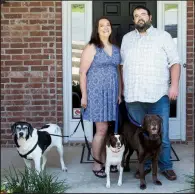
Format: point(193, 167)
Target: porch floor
point(82, 180)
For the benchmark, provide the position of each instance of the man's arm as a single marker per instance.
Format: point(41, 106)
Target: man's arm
point(122, 52)
point(173, 64)
point(175, 76)
point(121, 83)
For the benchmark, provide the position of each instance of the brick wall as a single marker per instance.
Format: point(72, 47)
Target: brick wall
point(31, 64)
point(190, 85)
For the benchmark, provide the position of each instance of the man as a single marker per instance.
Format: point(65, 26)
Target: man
point(149, 59)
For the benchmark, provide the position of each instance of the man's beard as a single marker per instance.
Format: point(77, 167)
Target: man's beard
point(143, 27)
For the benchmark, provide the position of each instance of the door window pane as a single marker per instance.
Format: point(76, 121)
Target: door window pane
point(171, 20)
point(171, 26)
point(78, 42)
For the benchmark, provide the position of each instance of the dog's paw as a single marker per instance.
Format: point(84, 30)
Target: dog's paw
point(108, 185)
point(157, 182)
point(142, 186)
point(64, 169)
point(119, 183)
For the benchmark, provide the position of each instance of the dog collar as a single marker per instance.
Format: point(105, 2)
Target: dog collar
point(145, 134)
point(115, 150)
point(25, 155)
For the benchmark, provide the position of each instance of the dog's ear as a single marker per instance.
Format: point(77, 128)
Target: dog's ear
point(30, 129)
point(161, 125)
point(109, 139)
point(123, 139)
point(145, 121)
point(13, 128)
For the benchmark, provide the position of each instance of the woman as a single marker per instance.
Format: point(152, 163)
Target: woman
point(99, 82)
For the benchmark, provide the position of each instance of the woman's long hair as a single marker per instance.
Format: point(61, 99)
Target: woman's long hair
point(95, 39)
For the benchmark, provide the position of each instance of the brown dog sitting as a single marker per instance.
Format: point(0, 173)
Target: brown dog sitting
point(146, 141)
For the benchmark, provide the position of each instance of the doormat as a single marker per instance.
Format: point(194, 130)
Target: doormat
point(86, 157)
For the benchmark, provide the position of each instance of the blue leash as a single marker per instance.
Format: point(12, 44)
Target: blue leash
point(136, 124)
point(130, 118)
point(133, 121)
point(116, 122)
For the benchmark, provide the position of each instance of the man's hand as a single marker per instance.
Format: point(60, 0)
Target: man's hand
point(175, 75)
point(173, 92)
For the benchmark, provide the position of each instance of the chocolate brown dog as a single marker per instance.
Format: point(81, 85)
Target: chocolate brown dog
point(146, 141)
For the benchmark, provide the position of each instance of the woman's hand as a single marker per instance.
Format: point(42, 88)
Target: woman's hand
point(119, 99)
point(84, 102)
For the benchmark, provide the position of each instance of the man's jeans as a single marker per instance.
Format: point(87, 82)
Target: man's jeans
point(137, 110)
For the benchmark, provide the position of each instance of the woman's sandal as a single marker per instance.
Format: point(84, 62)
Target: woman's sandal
point(100, 173)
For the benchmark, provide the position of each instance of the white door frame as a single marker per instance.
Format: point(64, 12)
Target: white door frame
point(66, 49)
point(69, 123)
point(182, 16)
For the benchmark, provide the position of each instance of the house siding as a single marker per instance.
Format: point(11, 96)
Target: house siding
point(190, 73)
point(31, 66)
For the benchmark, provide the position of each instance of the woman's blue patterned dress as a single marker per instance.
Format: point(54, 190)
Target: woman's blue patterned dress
point(102, 86)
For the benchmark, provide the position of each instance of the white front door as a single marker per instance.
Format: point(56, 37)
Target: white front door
point(171, 16)
point(76, 29)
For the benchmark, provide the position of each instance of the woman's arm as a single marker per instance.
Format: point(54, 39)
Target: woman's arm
point(121, 84)
point(86, 60)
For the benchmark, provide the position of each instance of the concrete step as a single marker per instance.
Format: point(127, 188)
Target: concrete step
point(81, 179)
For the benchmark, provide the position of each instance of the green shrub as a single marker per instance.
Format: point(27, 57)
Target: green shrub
point(190, 180)
point(29, 181)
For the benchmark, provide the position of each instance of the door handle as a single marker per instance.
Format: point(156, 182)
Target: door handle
point(184, 65)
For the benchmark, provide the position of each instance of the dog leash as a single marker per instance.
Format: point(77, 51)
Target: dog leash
point(133, 121)
point(74, 93)
point(86, 141)
point(136, 124)
point(68, 135)
point(82, 124)
point(130, 118)
point(116, 121)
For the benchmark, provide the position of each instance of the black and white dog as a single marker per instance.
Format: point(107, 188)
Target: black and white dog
point(115, 148)
point(33, 144)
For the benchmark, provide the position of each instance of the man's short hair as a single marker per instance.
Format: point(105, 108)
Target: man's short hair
point(141, 7)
